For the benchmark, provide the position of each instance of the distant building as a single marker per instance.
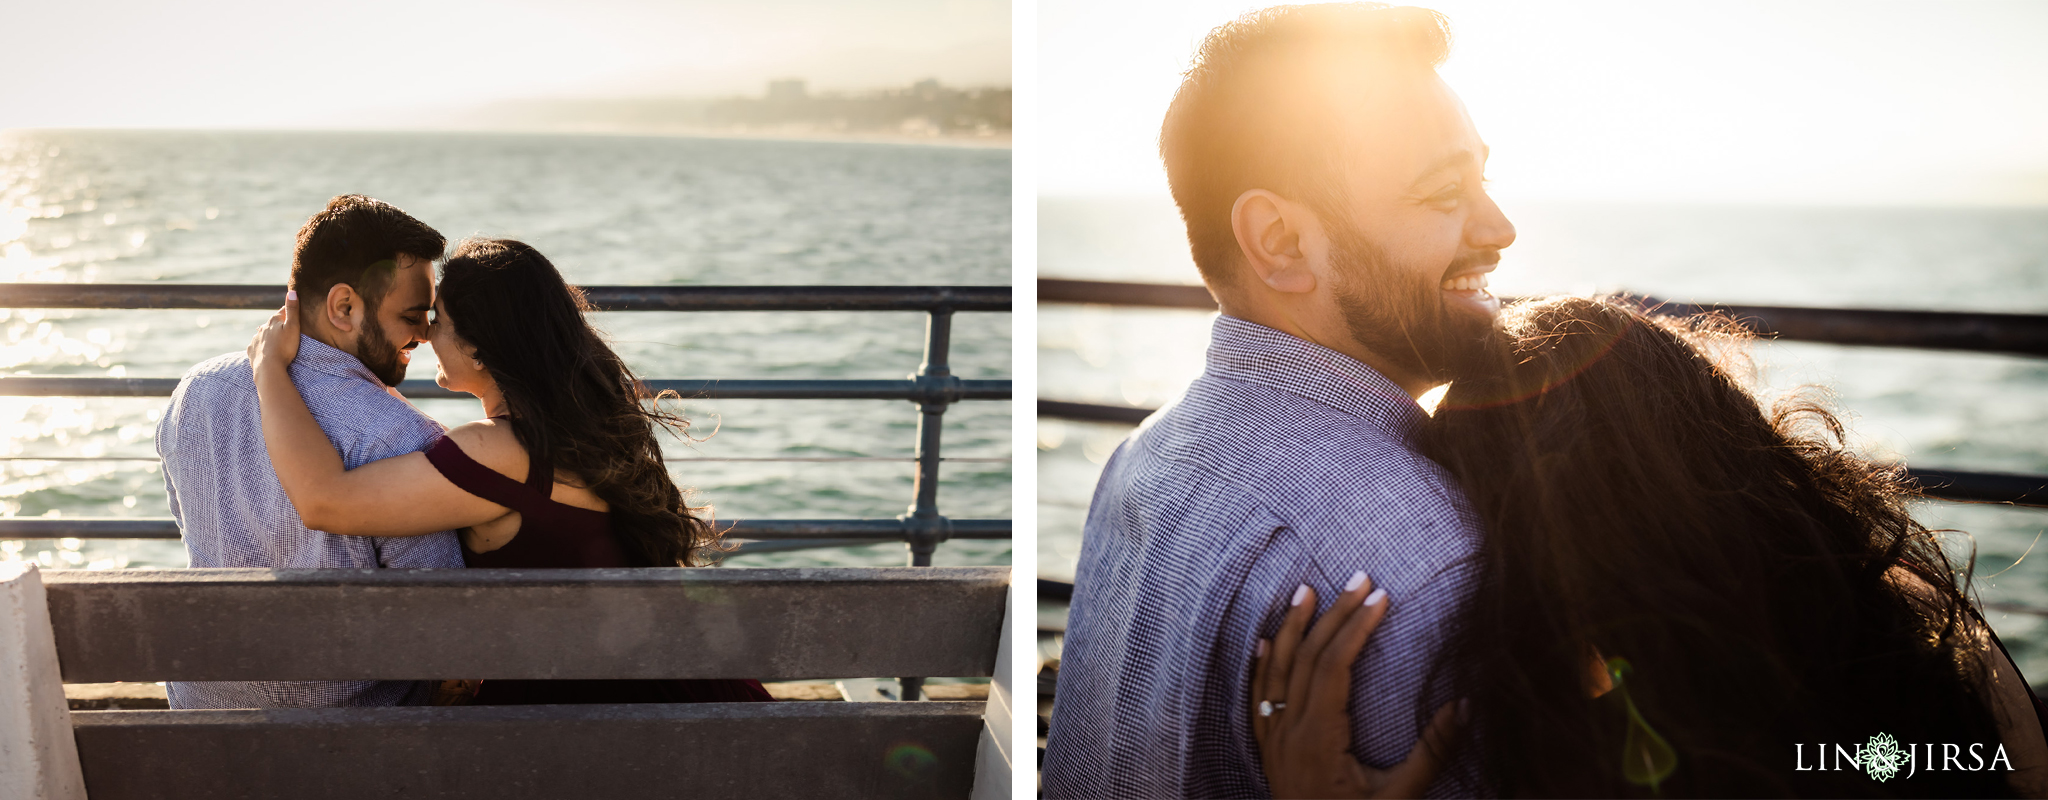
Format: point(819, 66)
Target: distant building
point(787, 90)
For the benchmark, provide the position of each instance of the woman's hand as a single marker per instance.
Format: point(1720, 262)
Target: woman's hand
point(277, 342)
point(1301, 696)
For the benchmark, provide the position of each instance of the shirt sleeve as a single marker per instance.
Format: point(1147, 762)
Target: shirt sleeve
point(439, 550)
point(1397, 673)
point(1254, 613)
point(163, 439)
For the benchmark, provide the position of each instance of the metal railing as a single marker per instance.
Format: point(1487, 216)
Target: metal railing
point(933, 388)
point(2019, 334)
point(2012, 334)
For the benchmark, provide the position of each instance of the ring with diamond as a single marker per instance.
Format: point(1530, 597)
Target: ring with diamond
point(1267, 707)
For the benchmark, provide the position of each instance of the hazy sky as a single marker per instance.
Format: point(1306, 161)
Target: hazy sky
point(1778, 102)
point(239, 63)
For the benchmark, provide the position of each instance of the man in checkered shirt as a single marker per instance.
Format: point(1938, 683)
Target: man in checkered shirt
point(364, 273)
point(1333, 192)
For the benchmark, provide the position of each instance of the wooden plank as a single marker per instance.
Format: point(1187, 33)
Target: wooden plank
point(711, 750)
point(768, 624)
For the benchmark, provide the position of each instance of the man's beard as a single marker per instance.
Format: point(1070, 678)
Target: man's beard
point(1399, 318)
point(377, 353)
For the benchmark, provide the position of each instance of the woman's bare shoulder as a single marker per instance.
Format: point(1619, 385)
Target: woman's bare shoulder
point(490, 442)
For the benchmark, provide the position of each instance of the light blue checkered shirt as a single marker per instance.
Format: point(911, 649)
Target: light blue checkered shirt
point(234, 514)
point(1285, 463)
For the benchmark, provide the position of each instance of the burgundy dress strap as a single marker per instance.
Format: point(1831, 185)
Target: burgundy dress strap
point(482, 481)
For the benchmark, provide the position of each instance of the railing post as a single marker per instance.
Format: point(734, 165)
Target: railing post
point(924, 527)
point(937, 384)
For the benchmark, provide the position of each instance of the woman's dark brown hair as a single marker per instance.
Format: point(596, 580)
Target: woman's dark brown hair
point(570, 396)
point(1639, 503)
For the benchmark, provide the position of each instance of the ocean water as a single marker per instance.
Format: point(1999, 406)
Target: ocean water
point(1928, 408)
point(199, 207)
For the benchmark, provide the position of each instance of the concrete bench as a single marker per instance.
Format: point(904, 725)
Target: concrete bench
point(770, 624)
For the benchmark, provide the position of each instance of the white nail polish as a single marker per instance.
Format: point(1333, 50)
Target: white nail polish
point(1300, 594)
point(1357, 580)
point(1377, 597)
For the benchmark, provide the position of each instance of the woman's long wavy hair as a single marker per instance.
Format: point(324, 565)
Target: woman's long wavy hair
point(1639, 503)
point(570, 396)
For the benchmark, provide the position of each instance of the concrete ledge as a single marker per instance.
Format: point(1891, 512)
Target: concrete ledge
point(709, 750)
point(769, 624)
point(38, 758)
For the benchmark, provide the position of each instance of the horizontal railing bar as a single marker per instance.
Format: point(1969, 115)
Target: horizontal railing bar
point(871, 529)
point(849, 459)
point(2016, 608)
point(757, 547)
point(764, 460)
point(1093, 412)
point(1122, 293)
point(150, 459)
point(707, 389)
point(1983, 487)
point(356, 624)
point(2016, 334)
point(880, 529)
point(605, 298)
point(1945, 484)
point(2020, 334)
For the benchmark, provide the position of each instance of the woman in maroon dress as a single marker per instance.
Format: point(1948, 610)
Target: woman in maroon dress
point(564, 471)
point(1679, 594)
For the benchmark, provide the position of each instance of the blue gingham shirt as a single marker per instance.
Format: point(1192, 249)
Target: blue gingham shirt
point(227, 499)
point(1285, 463)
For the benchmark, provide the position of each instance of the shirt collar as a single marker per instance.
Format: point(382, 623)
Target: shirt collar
point(1255, 354)
point(318, 357)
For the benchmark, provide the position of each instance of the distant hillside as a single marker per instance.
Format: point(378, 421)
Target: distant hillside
point(925, 109)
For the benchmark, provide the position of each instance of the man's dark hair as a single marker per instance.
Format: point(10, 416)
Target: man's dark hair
point(1256, 110)
point(356, 240)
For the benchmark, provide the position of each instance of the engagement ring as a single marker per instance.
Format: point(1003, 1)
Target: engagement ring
point(1267, 707)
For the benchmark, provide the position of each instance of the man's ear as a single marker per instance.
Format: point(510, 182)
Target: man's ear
point(344, 308)
point(1269, 231)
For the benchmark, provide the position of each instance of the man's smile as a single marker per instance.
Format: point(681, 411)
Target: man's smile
point(1464, 289)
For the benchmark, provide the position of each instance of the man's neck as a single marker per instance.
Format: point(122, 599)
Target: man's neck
point(1280, 320)
point(324, 334)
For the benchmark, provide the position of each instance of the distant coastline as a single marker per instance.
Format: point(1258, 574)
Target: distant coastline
point(1000, 141)
point(923, 113)
point(995, 141)
point(926, 112)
